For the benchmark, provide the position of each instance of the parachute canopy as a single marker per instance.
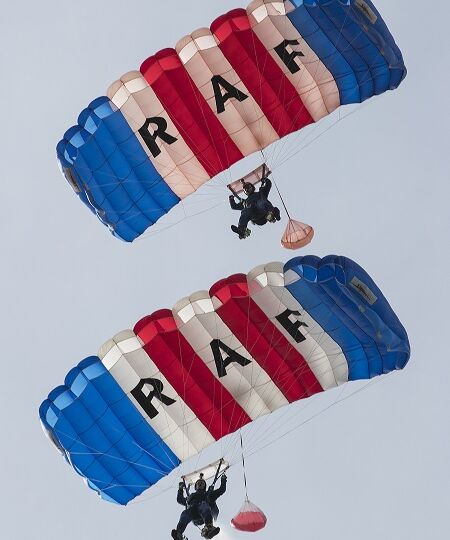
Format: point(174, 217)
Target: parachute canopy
point(224, 92)
point(184, 378)
point(250, 518)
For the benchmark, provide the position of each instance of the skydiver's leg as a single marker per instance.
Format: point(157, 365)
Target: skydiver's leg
point(241, 229)
point(185, 518)
point(271, 212)
point(264, 212)
point(205, 511)
point(246, 216)
point(265, 206)
point(208, 531)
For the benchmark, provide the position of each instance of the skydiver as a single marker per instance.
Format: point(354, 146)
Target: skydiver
point(255, 208)
point(201, 507)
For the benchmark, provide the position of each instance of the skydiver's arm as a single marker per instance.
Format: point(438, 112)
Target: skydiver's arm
point(181, 499)
point(266, 187)
point(236, 205)
point(219, 492)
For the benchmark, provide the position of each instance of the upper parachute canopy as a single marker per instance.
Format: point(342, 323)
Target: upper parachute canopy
point(218, 360)
point(189, 113)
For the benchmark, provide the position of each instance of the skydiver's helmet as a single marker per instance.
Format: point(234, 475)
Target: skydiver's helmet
point(249, 188)
point(200, 485)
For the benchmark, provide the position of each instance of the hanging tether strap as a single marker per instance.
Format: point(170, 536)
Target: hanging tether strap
point(276, 187)
point(216, 477)
point(243, 467)
point(186, 489)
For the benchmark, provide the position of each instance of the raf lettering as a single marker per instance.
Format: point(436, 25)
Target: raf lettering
point(223, 91)
point(290, 321)
point(145, 396)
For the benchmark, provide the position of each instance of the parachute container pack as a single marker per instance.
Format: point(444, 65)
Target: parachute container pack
point(182, 379)
point(253, 77)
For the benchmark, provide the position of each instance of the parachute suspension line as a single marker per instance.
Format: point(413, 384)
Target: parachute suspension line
point(278, 191)
point(216, 476)
point(186, 488)
point(282, 200)
point(337, 401)
point(243, 466)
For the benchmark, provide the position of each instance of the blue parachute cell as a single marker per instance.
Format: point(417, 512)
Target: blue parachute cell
point(102, 434)
point(363, 324)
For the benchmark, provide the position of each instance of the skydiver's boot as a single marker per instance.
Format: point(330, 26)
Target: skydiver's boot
point(273, 215)
point(176, 535)
point(240, 232)
point(209, 531)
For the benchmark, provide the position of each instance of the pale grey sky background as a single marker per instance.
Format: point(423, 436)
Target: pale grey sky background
point(376, 189)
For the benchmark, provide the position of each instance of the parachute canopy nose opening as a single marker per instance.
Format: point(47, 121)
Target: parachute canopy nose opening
point(297, 235)
point(250, 518)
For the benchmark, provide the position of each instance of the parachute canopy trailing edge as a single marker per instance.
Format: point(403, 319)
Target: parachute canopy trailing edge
point(182, 379)
point(224, 92)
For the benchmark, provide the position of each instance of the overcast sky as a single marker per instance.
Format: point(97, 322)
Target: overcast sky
point(376, 189)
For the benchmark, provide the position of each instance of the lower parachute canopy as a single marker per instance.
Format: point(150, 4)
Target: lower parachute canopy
point(250, 518)
point(183, 378)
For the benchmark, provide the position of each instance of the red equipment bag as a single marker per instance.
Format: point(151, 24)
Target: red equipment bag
point(250, 518)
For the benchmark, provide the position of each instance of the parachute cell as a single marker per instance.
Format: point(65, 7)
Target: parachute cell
point(223, 93)
point(184, 378)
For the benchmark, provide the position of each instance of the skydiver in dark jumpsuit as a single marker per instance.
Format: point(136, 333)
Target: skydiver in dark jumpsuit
point(201, 508)
point(255, 208)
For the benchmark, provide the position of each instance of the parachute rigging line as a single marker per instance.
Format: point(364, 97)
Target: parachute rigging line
point(243, 467)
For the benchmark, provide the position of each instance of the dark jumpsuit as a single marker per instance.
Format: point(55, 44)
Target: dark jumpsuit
point(200, 506)
point(255, 207)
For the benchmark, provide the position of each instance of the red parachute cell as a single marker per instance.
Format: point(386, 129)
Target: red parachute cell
point(250, 518)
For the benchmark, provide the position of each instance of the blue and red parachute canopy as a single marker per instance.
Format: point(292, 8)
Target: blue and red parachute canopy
point(224, 92)
point(184, 378)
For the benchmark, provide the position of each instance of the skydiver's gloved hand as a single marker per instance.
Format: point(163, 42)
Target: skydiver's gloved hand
point(224, 479)
point(181, 485)
point(231, 197)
